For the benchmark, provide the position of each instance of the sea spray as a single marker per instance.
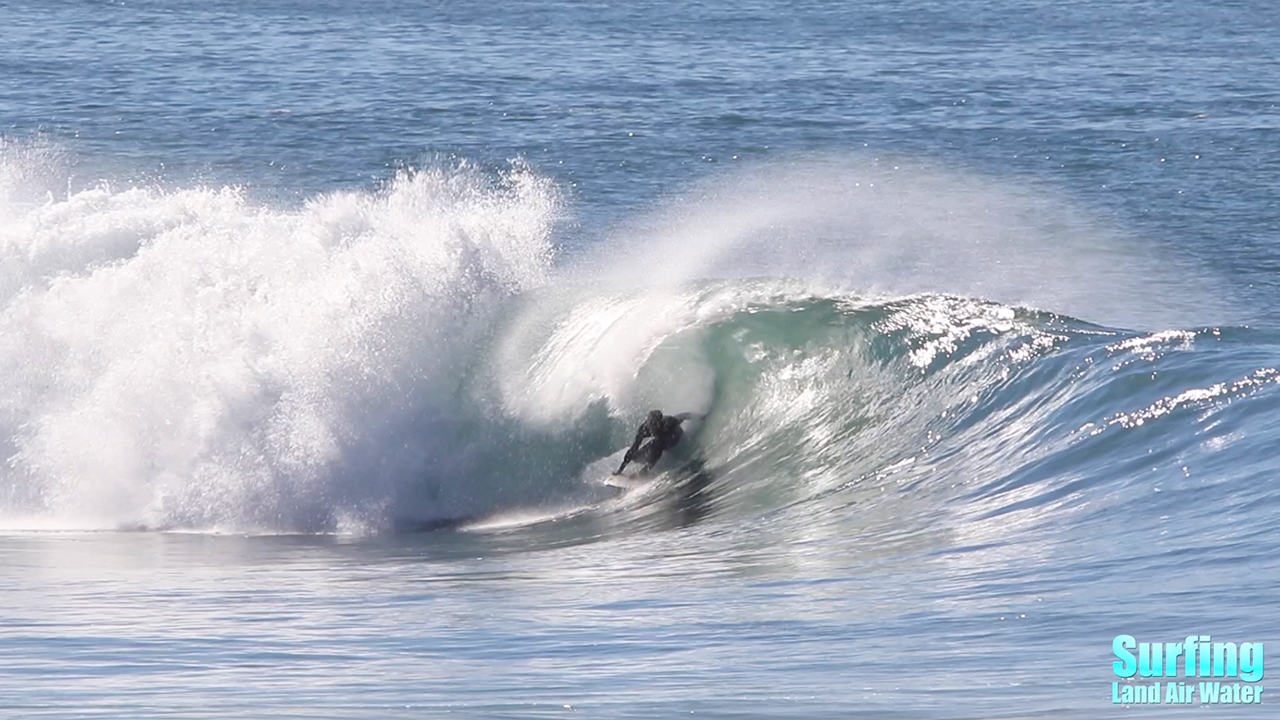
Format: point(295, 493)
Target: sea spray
point(899, 226)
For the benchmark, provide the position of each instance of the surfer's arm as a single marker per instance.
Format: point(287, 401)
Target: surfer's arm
point(641, 434)
point(688, 416)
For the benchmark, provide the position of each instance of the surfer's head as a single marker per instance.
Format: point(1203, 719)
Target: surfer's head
point(654, 421)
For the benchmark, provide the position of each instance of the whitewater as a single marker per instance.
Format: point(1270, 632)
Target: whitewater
point(321, 329)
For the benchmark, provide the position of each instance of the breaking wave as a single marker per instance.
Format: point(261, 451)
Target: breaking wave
point(189, 359)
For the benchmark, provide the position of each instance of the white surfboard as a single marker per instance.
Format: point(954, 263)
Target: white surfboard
point(628, 481)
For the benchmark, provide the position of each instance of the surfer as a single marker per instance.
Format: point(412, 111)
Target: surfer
point(666, 433)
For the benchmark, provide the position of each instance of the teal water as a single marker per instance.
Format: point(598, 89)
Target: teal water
point(318, 323)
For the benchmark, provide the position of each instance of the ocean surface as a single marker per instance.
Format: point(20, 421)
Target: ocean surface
point(322, 323)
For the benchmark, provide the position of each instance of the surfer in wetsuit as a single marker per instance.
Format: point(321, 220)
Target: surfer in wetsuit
point(666, 433)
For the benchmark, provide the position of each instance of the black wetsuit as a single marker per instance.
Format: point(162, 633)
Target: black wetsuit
point(666, 434)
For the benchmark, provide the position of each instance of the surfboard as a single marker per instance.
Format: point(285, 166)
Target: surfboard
point(628, 481)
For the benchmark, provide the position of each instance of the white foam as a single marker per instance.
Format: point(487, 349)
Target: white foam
point(187, 358)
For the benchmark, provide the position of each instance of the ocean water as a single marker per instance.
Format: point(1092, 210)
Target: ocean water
point(322, 323)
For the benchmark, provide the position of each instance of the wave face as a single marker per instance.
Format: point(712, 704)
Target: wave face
point(188, 359)
point(973, 413)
